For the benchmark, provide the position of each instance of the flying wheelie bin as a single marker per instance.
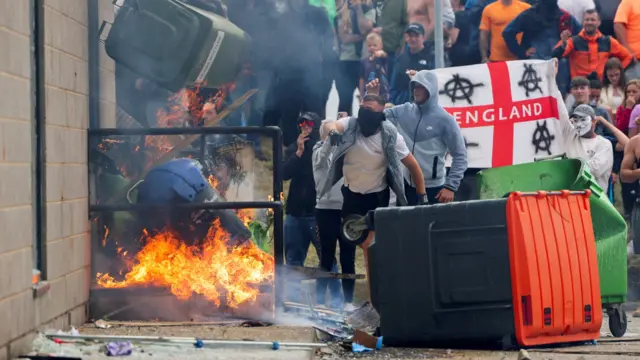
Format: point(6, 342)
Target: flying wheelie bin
point(610, 228)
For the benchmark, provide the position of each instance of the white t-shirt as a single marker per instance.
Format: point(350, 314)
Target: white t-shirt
point(365, 164)
point(597, 152)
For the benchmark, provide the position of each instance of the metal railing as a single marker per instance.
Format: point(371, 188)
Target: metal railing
point(95, 137)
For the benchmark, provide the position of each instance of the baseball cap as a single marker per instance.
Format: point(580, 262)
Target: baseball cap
point(582, 111)
point(415, 28)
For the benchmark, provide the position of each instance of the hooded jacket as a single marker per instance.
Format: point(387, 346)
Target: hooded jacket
point(301, 200)
point(321, 163)
point(431, 132)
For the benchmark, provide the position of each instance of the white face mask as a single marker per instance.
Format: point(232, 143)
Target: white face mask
point(582, 124)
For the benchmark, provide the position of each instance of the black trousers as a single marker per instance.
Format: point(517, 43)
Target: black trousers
point(347, 81)
point(360, 204)
point(328, 222)
point(629, 194)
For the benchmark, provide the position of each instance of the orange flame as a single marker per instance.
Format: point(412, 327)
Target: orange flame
point(214, 269)
point(187, 108)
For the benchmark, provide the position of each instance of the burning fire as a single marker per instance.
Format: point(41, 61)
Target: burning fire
point(215, 270)
point(187, 108)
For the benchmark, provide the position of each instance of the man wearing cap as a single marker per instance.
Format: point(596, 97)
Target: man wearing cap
point(582, 142)
point(419, 57)
point(300, 222)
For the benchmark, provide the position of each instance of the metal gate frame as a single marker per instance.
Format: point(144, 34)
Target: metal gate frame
point(274, 133)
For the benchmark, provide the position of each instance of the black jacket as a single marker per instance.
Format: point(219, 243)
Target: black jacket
point(301, 200)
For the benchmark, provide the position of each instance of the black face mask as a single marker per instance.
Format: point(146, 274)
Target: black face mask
point(369, 121)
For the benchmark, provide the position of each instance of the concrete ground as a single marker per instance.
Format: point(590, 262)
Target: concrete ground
point(607, 347)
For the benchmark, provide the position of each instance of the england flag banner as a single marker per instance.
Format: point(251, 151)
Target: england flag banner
point(507, 111)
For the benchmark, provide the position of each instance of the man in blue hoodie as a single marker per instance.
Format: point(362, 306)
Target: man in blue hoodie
point(430, 133)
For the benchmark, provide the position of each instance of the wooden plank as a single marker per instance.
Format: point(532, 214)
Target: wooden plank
point(309, 273)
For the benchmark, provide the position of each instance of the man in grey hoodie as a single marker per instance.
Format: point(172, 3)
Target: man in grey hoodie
point(430, 133)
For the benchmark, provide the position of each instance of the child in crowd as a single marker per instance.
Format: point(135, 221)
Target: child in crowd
point(375, 65)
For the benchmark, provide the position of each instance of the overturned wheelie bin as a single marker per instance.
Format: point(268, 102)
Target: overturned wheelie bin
point(610, 228)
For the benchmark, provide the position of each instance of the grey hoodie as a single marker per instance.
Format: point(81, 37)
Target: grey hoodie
point(430, 133)
point(321, 160)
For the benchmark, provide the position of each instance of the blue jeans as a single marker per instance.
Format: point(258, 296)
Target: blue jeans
point(299, 233)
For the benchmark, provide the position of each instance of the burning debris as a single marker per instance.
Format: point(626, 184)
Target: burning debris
point(204, 256)
point(214, 269)
point(204, 252)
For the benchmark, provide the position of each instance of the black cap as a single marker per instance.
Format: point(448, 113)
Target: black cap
point(309, 116)
point(415, 28)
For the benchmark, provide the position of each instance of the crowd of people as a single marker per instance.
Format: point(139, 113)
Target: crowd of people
point(392, 150)
point(394, 147)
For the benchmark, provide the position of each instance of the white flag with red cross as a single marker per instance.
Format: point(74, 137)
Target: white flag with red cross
point(507, 111)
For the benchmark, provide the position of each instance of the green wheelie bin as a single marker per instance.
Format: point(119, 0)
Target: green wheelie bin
point(176, 45)
point(609, 226)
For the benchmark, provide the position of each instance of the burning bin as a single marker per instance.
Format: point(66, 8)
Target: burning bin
point(609, 226)
point(487, 271)
point(175, 44)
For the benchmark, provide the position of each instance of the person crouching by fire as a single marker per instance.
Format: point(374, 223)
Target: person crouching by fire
point(300, 222)
point(329, 218)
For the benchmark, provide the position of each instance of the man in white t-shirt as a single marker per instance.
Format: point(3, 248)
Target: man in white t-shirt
point(369, 153)
point(581, 142)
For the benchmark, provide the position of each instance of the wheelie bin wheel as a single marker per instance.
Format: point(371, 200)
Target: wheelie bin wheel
point(617, 321)
point(355, 229)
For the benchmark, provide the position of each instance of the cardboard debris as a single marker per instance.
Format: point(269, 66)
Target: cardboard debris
point(366, 340)
point(365, 318)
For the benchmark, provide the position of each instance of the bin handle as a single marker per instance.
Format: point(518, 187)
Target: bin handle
point(550, 157)
point(131, 190)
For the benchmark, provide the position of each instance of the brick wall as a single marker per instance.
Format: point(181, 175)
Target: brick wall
point(67, 118)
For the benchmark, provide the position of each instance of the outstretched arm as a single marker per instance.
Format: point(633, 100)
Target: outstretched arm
point(622, 138)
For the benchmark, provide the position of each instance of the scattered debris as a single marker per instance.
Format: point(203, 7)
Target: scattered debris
point(102, 324)
point(367, 340)
point(524, 355)
point(366, 318)
point(119, 348)
point(357, 348)
point(185, 341)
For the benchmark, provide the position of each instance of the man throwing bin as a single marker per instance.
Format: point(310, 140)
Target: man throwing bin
point(369, 153)
point(430, 133)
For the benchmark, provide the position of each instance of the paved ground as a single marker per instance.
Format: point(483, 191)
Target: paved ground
point(607, 347)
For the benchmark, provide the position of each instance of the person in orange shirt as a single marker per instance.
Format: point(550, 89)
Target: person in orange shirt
point(495, 18)
point(627, 28)
point(589, 51)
